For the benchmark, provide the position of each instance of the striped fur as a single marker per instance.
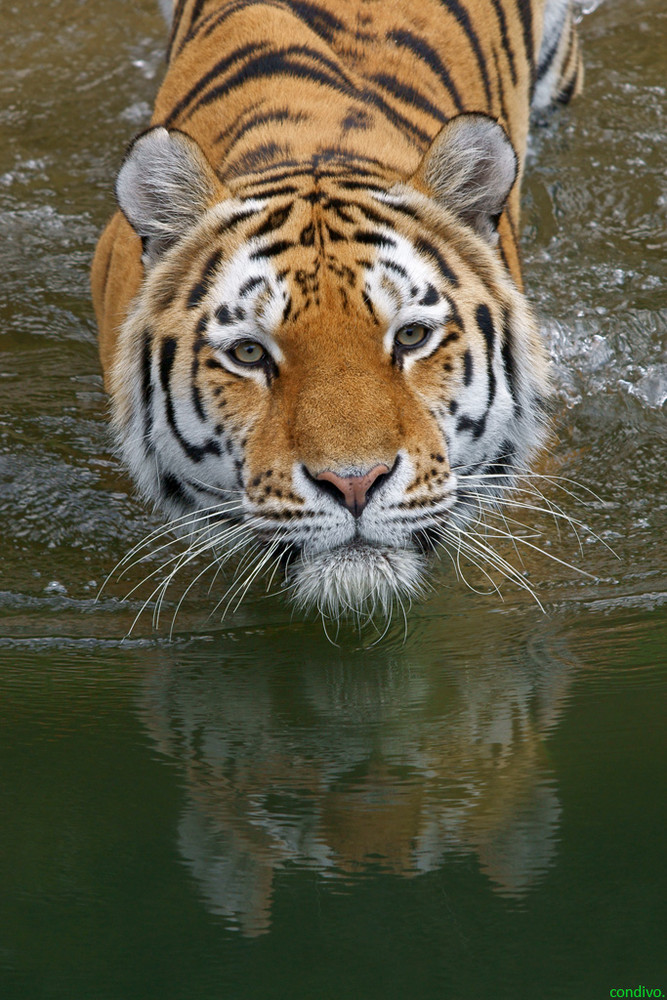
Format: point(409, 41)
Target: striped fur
point(321, 178)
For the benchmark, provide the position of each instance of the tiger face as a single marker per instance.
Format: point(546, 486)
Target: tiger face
point(332, 369)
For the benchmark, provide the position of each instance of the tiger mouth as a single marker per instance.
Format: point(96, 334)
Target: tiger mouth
point(357, 579)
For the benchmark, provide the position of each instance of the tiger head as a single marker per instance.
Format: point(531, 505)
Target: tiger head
point(332, 365)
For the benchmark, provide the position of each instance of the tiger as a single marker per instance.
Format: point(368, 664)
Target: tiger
point(402, 762)
point(312, 324)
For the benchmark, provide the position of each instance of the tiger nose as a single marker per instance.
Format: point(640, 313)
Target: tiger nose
point(352, 491)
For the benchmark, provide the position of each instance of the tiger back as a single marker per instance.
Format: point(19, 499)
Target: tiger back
point(311, 319)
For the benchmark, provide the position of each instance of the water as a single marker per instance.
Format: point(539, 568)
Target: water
point(248, 810)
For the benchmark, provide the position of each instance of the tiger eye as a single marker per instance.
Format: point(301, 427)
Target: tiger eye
point(412, 335)
point(249, 352)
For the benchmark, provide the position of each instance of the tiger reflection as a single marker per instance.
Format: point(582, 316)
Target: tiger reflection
point(345, 769)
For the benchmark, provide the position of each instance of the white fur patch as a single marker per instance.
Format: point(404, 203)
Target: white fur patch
point(358, 580)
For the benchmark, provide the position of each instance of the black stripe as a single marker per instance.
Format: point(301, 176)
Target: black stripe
point(271, 192)
point(466, 254)
point(454, 316)
point(502, 465)
point(341, 161)
point(213, 20)
point(565, 95)
point(251, 283)
point(217, 17)
point(367, 185)
point(172, 489)
point(236, 123)
point(500, 14)
point(468, 369)
point(547, 60)
point(322, 22)
point(257, 186)
point(273, 175)
point(195, 295)
point(339, 206)
point(230, 224)
point(196, 395)
point(220, 67)
point(365, 298)
point(199, 290)
point(426, 247)
point(392, 266)
point(199, 342)
point(338, 160)
point(372, 215)
point(200, 339)
point(223, 315)
point(287, 310)
point(501, 90)
point(307, 235)
point(430, 296)
point(175, 23)
point(266, 155)
point(461, 15)
point(277, 63)
point(279, 115)
point(509, 366)
point(408, 210)
point(196, 24)
point(356, 119)
point(525, 13)
point(373, 239)
point(485, 324)
point(408, 94)
point(196, 11)
point(333, 234)
point(147, 389)
point(423, 50)
point(476, 425)
point(272, 249)
point(195, 452)
point(402, 123)
point(274, 220)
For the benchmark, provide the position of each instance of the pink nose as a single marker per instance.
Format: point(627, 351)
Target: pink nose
point(353, 490)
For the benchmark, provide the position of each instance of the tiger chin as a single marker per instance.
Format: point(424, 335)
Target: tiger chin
point(311, 322)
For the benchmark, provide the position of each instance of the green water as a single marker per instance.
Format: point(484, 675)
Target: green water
point(474, 806)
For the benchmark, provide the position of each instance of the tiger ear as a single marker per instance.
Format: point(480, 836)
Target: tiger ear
point(470, 168)
point(164, 187)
